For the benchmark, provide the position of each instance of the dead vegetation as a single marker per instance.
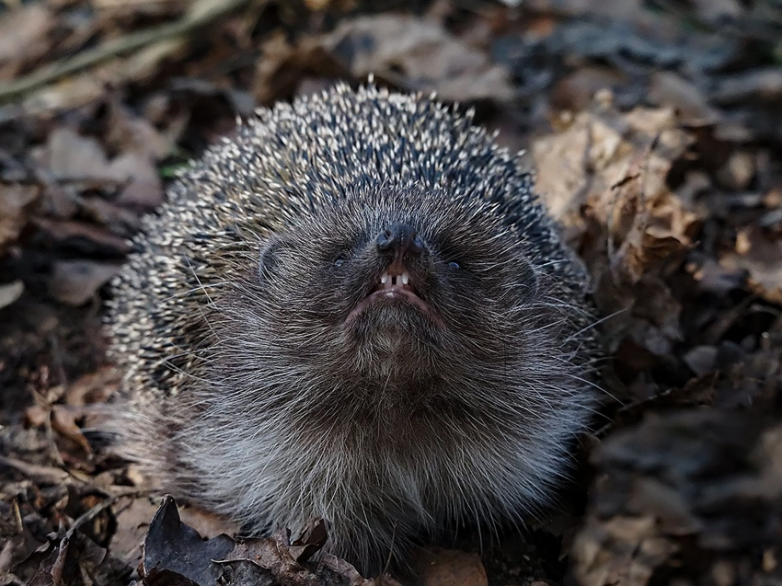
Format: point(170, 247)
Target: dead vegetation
point(656, 132)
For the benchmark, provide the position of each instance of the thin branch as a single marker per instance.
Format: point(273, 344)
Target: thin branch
point(200, 14)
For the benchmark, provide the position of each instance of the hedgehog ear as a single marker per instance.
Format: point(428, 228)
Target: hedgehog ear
point(270, 257)
point(529, 278)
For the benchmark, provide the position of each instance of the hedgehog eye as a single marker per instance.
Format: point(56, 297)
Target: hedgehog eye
point(453, 266)
point(341, 258)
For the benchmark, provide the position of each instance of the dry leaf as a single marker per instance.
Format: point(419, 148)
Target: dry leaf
point(15, 201)
point(760, 254)
point(23, 37)
point(71, 156)
point(175, 553)
point(605, 178)
point(76, 282)
point(668, 493)
point(421, 55)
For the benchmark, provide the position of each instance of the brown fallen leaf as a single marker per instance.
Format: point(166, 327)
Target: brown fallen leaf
point(93, 387)
point(66, 561)
point(73, 557)
point(75, 282)
point(622, 551)
point(689, 493)
point(15, 203)
point(604, 177)
point(284, 65)
point(75, 158)
point(90, 238)
point(419, 55)
point(763, 85)
point(69, 439)
point(142, 185)
point(128, 132)
point(758, 252)
point(133, 521)
point(24, 37)
point(175, 554)
point(673, 90)
point(63, 422)
point(71, 156)
point(600, 151)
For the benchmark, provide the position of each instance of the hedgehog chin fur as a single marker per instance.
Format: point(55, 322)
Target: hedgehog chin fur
point(245, 391)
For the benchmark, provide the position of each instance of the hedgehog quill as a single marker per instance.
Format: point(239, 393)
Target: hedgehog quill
point(356, 309)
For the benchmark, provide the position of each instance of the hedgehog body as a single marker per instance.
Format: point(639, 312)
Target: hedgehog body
point(355, 309)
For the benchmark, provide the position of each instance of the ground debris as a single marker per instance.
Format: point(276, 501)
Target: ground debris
point(175, 554)
point(656, 133)
point(684, 495)
point(605, 177)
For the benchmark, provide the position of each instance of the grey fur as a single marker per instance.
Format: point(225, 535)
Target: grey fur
point(248, 393)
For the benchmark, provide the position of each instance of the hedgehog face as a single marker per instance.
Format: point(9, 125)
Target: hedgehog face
point(400, 285)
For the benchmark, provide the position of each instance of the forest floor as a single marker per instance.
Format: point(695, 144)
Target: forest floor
point(655, 129)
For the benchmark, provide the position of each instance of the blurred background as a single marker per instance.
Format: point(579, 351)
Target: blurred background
point(655, 131)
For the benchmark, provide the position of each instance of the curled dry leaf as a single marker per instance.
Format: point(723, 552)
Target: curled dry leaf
point(175, 554)
point(605, 179)
point(63, 422)
point(94, 387)
point(602, 151)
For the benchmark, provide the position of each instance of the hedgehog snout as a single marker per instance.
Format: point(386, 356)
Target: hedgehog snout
point(400, 240)
point(400, 246)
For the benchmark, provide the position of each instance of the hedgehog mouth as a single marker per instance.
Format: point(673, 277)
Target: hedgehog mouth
point(393, 285)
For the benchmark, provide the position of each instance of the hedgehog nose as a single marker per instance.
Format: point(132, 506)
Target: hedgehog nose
point(400, 239)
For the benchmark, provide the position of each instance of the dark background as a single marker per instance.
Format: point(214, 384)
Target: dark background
point(655, 129)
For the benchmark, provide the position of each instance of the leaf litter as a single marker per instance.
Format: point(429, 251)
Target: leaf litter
point(655, 130)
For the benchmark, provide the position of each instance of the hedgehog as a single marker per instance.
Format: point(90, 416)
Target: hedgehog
point(355, 309)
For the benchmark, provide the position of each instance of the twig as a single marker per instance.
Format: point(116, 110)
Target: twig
point(37, 472)
point(200, 14)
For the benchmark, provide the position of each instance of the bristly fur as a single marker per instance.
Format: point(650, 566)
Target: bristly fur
point(248, 392)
